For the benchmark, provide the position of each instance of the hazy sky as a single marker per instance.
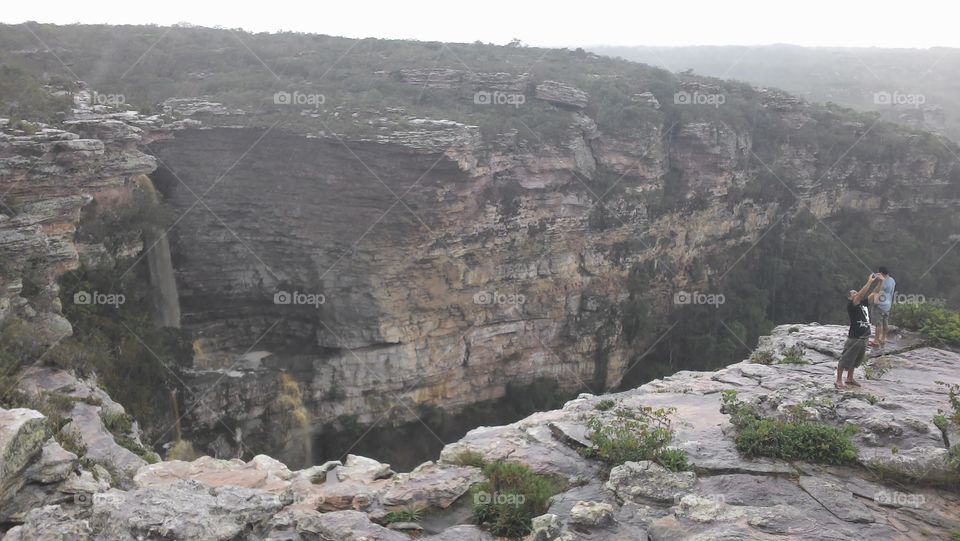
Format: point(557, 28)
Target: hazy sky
point(881, 23)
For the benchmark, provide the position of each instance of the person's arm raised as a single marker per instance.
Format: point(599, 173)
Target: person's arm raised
point(863, 290)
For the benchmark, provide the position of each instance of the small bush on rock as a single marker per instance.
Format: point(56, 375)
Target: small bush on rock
point(470, 458)
point(403, 515)
point(762, 356)
point(796, 438)
point(605, 405)
point(511, 497)
point(626, 436)
point(794, 355)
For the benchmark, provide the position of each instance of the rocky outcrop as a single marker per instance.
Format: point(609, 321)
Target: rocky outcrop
point(446, 78)
point(90, 419)
point(729, 496)
point(22, 434)
point(46, 177)
point(561, 94)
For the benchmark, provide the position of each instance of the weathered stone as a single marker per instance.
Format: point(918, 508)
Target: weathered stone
point(50, 523)
point(591, 514)
point(430, 486)
point(338, 525)
point(461, 533)
point(561, 94)
point(646, 480)
point(55, 464)
point(23, 433)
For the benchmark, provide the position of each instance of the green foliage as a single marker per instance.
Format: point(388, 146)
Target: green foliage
point(673, 459)
point(71, 441)
point(944, 419)
point(117, 422)
point(511, 497)
point(628, 436)
point(877, 368)
point(953, 458)
point(605, 405)
point(953, 395)
point(120, 426)
point(403, 515)
point(762, 356)
point(796, 438)
point(470, 458)
point(794, 355)
point(23, 97)
point(931, 319)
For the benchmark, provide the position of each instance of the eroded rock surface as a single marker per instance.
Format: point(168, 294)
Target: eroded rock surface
point(730, 496)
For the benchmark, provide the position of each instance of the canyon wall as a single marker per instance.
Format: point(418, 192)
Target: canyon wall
point(428, 266)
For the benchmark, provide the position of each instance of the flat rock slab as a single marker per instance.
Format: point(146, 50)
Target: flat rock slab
point(837, 499)
point(430, 486)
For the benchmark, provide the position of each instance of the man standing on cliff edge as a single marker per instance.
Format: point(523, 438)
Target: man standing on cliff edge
point(855, 348)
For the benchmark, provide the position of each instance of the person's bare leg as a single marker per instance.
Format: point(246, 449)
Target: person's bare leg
point(850, 380)
point(839, 383)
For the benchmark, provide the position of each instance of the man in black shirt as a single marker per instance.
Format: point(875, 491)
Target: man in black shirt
point(855, 348)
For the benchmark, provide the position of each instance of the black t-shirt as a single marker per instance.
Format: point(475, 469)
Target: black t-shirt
point(859, 319)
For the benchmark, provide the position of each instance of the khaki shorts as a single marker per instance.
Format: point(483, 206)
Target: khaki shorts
point(854, 353)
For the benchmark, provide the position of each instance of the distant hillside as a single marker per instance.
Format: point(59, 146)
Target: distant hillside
point(854, 77)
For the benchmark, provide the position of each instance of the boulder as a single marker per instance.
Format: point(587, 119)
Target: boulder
point(648, 481)
point(430, 486)
point(591, 514)
point(23, 434)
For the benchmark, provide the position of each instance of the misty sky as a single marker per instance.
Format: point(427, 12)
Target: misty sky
point(881, 23)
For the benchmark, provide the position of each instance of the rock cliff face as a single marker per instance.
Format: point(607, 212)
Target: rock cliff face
point(428, 266)
point(46, 178)
point(729, 496)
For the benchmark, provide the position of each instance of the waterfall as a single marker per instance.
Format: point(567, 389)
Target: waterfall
point(163, 293)
point(298, 448)
point(166, 302)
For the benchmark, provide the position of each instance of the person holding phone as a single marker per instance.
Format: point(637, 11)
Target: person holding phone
point(855, 348)
point(882, 303)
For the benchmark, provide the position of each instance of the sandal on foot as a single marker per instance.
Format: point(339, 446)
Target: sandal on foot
point(839, 386)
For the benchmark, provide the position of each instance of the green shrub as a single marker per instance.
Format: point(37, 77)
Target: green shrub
point(953, 458)
point(673, 460)
point(117, 422)
point(787, 439)
point(71, 441)
point(470, 458)
point(605, 405)
point(794, 355)
point(403, 515)
point(762, 356)
point(931, 319)
point(120, 426)
point(629, 437)
point(511, 497)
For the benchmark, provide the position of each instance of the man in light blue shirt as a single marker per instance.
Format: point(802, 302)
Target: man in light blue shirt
point(883, 304)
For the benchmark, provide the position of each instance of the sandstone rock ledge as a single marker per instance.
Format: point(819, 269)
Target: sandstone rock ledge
point(729, 496)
